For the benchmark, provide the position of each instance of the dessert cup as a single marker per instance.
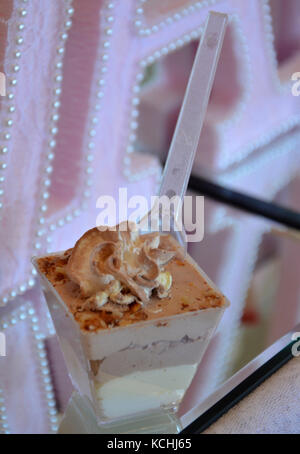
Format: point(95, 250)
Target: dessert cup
point(142, 368)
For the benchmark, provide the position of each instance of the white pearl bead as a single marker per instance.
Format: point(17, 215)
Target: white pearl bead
point(135, 101)
point(49, 169)
point(134, 125)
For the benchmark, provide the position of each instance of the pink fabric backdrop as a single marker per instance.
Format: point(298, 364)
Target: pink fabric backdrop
point(69, 134)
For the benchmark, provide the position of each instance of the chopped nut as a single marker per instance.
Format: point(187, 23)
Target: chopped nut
point(134, 307)
point(165, 281)
point(179, 262)
point(103, 324)
point(101, 299)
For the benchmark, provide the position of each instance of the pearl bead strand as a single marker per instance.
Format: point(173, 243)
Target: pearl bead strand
point(54, 116)
point(27, 313)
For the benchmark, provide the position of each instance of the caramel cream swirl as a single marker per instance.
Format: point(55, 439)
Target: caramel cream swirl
point(120, 266)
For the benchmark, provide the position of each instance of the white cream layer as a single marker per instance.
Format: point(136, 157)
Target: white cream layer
point(143, 390)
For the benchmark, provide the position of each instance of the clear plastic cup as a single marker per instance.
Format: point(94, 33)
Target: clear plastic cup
point(132, 372)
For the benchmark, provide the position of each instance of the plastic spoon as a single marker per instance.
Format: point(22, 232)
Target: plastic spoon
point(190, 121)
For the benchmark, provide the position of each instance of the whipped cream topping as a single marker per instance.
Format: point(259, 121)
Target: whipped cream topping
point(118, 266)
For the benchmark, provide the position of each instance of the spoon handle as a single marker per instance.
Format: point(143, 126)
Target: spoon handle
point(190, 121)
